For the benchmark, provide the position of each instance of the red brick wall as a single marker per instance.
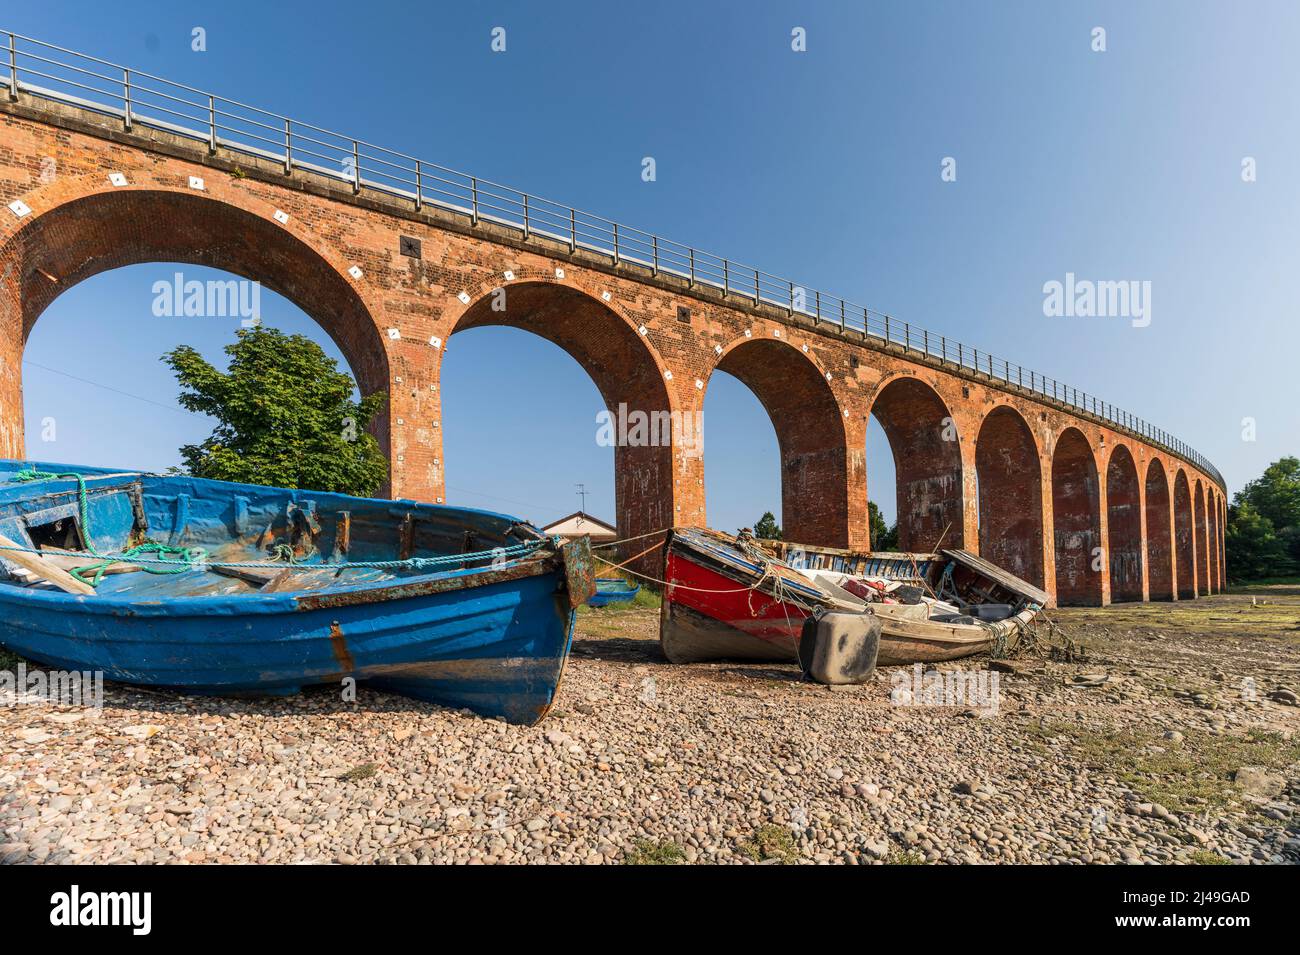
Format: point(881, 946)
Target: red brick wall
point(962, 475)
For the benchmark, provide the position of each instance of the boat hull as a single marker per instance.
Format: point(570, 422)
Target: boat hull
point(497, 649)
point(707, 615)
point(713, 614)
point(610, 591)
point(454, 606)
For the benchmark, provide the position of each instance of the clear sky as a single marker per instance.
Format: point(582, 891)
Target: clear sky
point(824, 166)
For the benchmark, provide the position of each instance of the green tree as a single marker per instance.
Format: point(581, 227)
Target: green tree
point(285, 416)
point(1276, 493)
point(883, 537)
point(1254, 549)
point(767, 527)
point(1263, 532)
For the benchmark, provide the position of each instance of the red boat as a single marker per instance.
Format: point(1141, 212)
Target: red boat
point(729, 600)
point(734, 598)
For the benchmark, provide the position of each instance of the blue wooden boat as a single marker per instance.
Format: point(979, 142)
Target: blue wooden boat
point(611, 590)
point(212, 587)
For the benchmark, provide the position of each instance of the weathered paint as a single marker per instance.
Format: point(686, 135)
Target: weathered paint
point(492, 636)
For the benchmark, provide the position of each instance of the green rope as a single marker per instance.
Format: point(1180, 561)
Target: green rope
point(83, 499)
point(188, 555)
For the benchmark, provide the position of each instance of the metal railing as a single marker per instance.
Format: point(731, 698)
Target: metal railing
point(141, 99)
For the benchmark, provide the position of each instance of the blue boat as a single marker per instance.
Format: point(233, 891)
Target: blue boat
point(611, 590)
point(212, 587)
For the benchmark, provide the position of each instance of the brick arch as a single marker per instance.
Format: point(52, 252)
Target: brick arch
point(89, 234)
point(1202, 539)
point(1076, 519)
point(810, 431)
point(1124, 525)
point(923, 438)
point(1159, 551)
point(1184, 538)
point(626, 371)
point(1010, 483)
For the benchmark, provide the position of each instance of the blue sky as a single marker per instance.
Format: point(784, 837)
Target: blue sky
point(823, 166)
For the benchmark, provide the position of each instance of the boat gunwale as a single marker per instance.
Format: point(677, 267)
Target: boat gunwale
point(548, 558)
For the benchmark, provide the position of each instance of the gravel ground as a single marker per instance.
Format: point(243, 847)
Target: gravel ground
point(1130, 756)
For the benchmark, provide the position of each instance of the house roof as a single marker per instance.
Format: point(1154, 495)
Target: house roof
point(578, 518)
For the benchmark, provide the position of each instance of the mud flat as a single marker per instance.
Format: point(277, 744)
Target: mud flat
point(1173, 741)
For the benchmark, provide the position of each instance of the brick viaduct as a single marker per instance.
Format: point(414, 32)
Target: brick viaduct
point(1032, 484)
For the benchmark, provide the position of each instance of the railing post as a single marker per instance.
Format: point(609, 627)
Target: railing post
point(126, 99)
point(288, 146)
point(419, 185)
point(961, 360)
point(527, 230)
point(757, 292)
point(13, 68)
point(654, 258)
point(943, 349)
point(726, 277)
point(573, 229)
point(886, 329)
point(842, 321)
point(907, 337)
point(819, 308)
point(926, 341)
point(616, 254)
point(790, 307)
point(212, 125)
point(692, 251)
point(356, 168)
point(473, 204)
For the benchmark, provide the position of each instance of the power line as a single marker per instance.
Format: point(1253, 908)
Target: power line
point(119, 391)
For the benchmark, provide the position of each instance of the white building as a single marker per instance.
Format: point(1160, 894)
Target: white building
point(577, 524)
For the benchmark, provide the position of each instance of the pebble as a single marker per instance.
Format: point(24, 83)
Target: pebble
point(724, 751)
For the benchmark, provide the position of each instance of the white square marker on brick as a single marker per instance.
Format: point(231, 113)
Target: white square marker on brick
point(668, 375)
point(828, 376)
point(559, 273)
point(641, 329)
point(805, 348)
point(748, 333)
point(356, 272)
point(464, 298)
point(394, 334)
point(19, 208)
point(717, 349)
point(435, 341)
point(509, 275)
point(196, 182)
point(281, 216)
point(699, 384)
point(117, 179)
point(605, 296)
point(401, 421)
point(776, 333)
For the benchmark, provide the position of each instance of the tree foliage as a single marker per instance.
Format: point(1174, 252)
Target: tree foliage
point(767, 528)
point(285, 416)
point(883, 537)
point(1263, 533)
